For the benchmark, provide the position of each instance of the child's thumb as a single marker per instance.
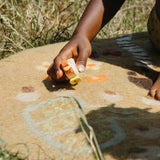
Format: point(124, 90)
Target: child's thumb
point(81, 68)
point(81, 62)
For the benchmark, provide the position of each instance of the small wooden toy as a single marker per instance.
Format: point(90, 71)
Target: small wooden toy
point(70, 69)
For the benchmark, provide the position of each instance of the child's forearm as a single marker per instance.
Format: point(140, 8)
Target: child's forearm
point(96, 15)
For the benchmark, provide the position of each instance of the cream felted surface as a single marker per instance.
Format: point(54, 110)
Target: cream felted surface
point(40, 115)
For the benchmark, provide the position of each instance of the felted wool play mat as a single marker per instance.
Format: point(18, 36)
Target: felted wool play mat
point(41, 119)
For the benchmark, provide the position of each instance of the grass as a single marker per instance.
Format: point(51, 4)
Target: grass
point(22, 154)
point(31, 23)
point(5, 155)
point(131, 18)
point(88, 131)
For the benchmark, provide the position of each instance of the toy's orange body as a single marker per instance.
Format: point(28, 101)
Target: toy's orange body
point(71, 71)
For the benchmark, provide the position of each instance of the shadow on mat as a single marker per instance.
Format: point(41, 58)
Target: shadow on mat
point(126, 133)
point(125, 60)
point(129, 133)
point(55, 86)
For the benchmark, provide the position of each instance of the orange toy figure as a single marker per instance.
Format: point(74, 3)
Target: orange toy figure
point(70, 70)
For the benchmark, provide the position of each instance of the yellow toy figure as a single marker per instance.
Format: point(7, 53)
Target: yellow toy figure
point(70, 70)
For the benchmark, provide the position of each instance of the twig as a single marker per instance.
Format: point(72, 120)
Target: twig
point(92, 139)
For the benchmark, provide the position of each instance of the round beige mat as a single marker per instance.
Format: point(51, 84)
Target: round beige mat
point(40, 118)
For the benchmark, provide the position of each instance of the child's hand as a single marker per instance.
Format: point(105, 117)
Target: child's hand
point(79, 49)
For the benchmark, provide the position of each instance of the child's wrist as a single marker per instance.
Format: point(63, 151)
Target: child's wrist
point(78, 35)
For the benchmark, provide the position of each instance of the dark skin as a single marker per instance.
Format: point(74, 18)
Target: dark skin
point(155, 90)
point(97, 14)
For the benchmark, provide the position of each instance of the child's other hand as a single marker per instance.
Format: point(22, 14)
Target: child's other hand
point(79, 49)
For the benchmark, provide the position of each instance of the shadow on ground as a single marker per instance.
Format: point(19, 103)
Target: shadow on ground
point(55, 86)
point(124, 133)
point(125, 60)
point(129, 133)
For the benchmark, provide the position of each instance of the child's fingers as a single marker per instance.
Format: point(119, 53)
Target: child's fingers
point(51, 72)
point(152, 92)
point(82, 59)
point(54, 71)
point(57, 66)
